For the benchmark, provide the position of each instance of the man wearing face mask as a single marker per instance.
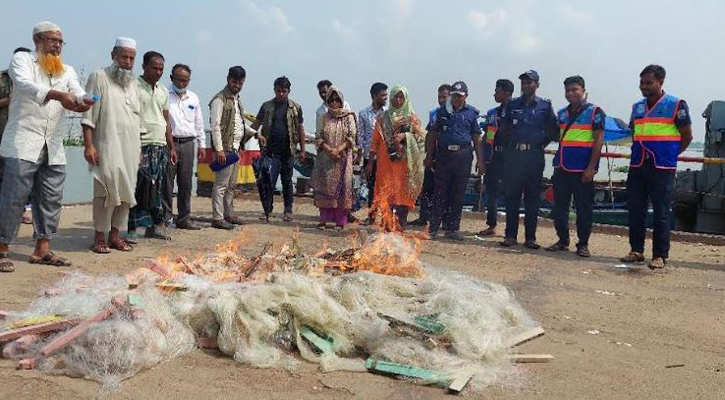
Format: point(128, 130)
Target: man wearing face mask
point(452, 138)
point(113, 145)
point(32, 147)
point(187, 127)
point(576, 162)
point(528, 124)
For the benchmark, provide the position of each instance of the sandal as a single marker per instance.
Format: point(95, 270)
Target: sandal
point(5, 264)
point(338, 228)
point(120, 245)
point(321, 226)
point(287, 218)
point(131, 237)
point(100, 247)
point(530, 244)
point(50, 258)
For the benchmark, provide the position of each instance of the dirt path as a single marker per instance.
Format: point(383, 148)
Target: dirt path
point(614, 331)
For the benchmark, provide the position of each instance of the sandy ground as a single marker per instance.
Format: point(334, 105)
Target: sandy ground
point(646, 322)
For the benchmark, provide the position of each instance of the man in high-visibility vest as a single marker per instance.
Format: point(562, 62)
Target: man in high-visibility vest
point(661, 130)
point(576, 162)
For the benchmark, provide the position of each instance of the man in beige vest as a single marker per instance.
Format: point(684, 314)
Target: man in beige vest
point(226, 119)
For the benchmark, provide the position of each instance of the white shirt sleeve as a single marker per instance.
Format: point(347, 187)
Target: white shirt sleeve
point(215, 116)
point(74, 86)
point(199, 125)
point(21, 72)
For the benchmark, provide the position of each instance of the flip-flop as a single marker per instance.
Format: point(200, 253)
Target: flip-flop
point(120, 245)
point(5, 264)
point(50, 258)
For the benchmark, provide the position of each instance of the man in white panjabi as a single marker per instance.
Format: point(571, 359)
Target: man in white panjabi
point(112, 137)
point(32, 147)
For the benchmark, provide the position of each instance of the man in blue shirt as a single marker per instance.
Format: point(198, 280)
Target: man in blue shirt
point(528, 124)
point(426, 195)
point(451, 137)
point(493, 152)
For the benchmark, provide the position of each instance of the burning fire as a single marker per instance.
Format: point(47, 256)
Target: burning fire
point(387, 254)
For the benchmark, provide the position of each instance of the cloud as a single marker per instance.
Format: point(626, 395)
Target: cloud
point(203, 37)
point(525, 43)
point(402, 9)
point(342, 30)
point(575, 16)
point(272, 17)
point(486, 23)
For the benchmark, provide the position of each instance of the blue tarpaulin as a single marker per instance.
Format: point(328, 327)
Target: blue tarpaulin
point(615, 129)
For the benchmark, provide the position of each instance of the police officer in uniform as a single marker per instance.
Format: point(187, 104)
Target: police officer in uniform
point(451, 138)
point(576, 162)
point(661, 130)
point(493, 152)
point(528, 123)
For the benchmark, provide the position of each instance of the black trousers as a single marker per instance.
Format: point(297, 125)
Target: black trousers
point(453, 169)
point(182, 174)
point(656, 185)
point(266, 193)
point(426, 194)
point(522, 176)
point(566, 186)
point(492, 180)
point(370, 180)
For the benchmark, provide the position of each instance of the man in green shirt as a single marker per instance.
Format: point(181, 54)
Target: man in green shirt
point(157, 150)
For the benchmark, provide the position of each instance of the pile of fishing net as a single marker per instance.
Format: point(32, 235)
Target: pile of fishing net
point(335, 308)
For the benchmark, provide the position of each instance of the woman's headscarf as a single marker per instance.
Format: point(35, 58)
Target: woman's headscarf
point(406, 110)
point(340, 112)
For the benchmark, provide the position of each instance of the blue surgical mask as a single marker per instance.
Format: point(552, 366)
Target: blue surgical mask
point(178, 90)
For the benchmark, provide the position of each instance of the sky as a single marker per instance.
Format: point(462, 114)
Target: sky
point(416, 43)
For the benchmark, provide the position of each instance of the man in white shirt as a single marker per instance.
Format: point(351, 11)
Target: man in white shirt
point(322, 87)
point(187, 127)
point(43, 89)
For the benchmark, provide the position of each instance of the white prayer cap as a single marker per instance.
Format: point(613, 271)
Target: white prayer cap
point(45, 26)
point(125, 42)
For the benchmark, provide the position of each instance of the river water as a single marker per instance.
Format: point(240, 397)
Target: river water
point(79, 183)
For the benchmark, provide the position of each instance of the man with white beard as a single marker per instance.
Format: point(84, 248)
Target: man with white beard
point(111, 134)
point(43, 89)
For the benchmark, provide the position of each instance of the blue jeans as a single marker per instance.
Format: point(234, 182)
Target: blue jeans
point(45, 181)
point(656, 185)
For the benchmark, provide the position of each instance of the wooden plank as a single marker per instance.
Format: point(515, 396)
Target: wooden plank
point(13, 334)
point(28, 363)
point(72, 334)
point(531, 358)
point(459, 383)
point(524, 337)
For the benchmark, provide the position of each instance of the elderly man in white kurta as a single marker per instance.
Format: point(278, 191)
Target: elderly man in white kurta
point(112, 137)
point(44, 88)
